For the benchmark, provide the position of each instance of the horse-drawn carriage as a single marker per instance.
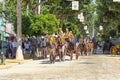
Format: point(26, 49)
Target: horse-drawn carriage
point(115, 46)
point(83, 47)
point(59, 47)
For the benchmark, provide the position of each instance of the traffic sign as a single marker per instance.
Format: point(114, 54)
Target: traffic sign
point(116, 0)
point(75, 5)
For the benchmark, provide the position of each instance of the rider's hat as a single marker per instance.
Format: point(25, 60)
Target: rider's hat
point(67, 29)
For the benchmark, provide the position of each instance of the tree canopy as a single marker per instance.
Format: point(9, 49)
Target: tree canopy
point(58, 13)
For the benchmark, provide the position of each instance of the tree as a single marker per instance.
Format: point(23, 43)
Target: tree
point(19, 55)
point(26, 23)
point(108, 14)
point(112, 33)
point(44, 23)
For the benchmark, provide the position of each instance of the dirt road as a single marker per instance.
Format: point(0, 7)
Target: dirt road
point(95, 67)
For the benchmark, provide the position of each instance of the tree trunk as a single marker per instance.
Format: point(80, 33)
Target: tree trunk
point(19, 55)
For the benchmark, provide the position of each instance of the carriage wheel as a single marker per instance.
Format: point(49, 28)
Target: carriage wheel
point(71, 56)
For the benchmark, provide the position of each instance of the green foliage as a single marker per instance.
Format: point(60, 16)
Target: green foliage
point(71, 26)
point(108, 15)
point(26, 22)
point(112, 33)
point(44, 23)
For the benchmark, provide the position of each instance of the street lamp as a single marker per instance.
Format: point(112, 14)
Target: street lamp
point(69, 0)
point(116, 0)
point(81, 17)
point(87, 32)
point(100, 28)
point(85, 27)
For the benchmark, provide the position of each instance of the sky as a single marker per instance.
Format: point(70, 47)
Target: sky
point(1, 0)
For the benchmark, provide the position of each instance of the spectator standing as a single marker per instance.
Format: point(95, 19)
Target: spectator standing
point(14, 47)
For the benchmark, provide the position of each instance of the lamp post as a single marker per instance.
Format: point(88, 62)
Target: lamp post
point(39, 7)
point(81, 17)
point(87, 32)
point(100, 28)
point(116, 0)
point(85, 28)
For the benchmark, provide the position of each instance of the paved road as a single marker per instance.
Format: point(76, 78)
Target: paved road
point(95, 67)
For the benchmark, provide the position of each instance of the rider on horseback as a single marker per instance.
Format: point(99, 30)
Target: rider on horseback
point(87, 40)
point(68, 35)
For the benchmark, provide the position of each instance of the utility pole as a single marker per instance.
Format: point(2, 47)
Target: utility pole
point(2, 33)
point(19, 55)
point(27, 9)
point(39, 7)
point(93, 34)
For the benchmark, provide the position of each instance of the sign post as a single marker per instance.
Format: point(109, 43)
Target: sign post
point(116, 0)
point(75, 5)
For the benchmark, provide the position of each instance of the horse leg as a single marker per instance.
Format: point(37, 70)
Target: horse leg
point(63, 53)
point(82, 52)
point(60, 55)
point(76, 55)
point(91, 51)
point(77, 51)
point(45, 52)
point(71, 56)
point(52, 57)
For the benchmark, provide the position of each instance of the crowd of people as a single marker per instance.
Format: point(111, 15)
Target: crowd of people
point(29, 45)
point(39, 44)
point(9, 47)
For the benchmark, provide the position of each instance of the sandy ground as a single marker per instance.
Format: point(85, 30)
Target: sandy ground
point(95, 67)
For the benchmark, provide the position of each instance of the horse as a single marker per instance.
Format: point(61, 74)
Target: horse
point(52, 48)
point(95, 46)
point(79, 48)
point(70, 48)
point(61, 47)
point(115, 50)
point(87, 46)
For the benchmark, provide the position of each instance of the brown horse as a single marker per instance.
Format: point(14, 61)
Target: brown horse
point(85, 48)
point(106, 47)
point(69, 49)
point(88, 48)
point(95, 46)
point(115, 50)
point(79, 48)
point(52, 48)
point(61, 48)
